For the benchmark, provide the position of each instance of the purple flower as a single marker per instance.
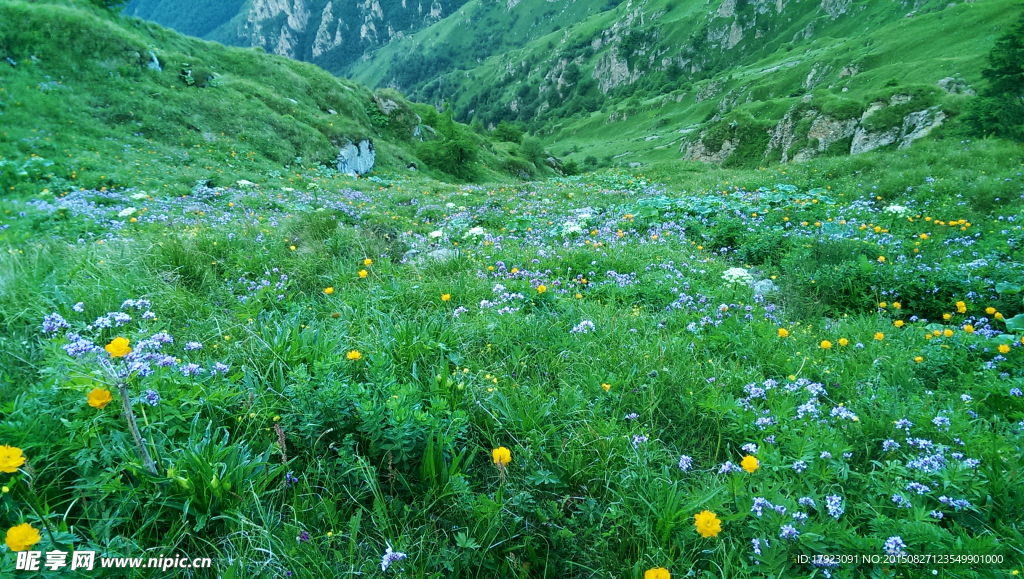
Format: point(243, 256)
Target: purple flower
point(749, 448)
point(799, 466)
point(79, 307)
point(685, 463)
point(639, 439)
point(756, 543)
point(936, 514)
point(632, 416)
point(191, 370)
point(303, 536)
point(807, 502)
point(290, 479)
point(834, 505)
point(728, 467)
point(825, 455)
point(390, 557)
point(800, 517)
point(192, 346)
point(941, 422)
point(1016, 392)
point(918, 488)
point(895, 546)
point(220, 368)
point(760, 504)
point(890, 445)
point(151, 397)
point(584, 327)
point(52, 323)
point(789, 532)
point(79, 346)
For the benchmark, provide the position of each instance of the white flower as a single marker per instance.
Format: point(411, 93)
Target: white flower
point(245, 183)
point(390, 557)
point(897, 209)
point(571, 227)
point(475, 232)
point(737, 275)
point(435, 234)
point(127, 212)
point(139, 196)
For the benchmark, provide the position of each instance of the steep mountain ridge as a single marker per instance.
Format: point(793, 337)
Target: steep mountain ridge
point(740, 81)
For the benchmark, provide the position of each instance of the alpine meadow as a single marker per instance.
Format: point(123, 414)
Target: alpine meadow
point(536, 289)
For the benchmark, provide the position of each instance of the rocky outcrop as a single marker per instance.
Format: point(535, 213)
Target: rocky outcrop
point(697, 151)
point(955, 85)
point(356, 159)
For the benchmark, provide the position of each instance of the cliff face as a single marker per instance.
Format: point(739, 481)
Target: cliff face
point(330, 33)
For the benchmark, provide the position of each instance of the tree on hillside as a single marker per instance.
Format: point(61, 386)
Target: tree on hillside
point(999, 109)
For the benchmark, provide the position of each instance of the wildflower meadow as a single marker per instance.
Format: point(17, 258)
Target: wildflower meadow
point(729, 374)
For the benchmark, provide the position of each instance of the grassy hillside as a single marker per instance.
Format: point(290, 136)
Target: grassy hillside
point(83, 105)
point(672, 69)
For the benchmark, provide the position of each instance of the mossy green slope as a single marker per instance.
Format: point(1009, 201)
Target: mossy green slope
point(83, 104)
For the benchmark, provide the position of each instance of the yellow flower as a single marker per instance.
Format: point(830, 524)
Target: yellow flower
point(354, 355)
point(118, 347)
point(446, 297)
point(826, 345)
point(947, 316)
point(291, 247)
point(659, 573)
point(21, 537)
point(367, 262)
point(750, 464)
point(1004, 349)
point(898, 323)
point(501, 456)
point(881, 259)
point(783, 333)
point(918, 359)
point(329, 290)
point(947, 332)
point(363, 273)
point(969, 328)
point(882, 304)
point(897, 305)
point(990, 310)
point(998, 316)
point(879, 336)
point(843, 341)
point(606, 387)
point(708, 525)
point(98, 398)
point(961, 305)
point(542, 288)
point(10, 459)
point(5, 489)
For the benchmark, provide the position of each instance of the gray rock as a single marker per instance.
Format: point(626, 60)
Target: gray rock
point(356, 159)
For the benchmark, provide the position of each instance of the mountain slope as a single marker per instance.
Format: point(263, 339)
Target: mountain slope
point(87, 100)
point(736, 81)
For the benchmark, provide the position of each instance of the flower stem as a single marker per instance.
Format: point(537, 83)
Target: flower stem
point(129, 416)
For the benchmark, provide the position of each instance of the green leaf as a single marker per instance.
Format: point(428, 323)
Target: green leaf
point(1016, 323)
point(1005, 287)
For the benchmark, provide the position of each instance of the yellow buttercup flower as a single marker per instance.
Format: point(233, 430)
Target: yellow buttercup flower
point(879, 336)
point(826, 345)
point(363, 273)
point(542, 288)
point(898, 323)
point(328, 290)
point(918, 359)
point(1004, 349)
point(969, 329)
point(446, 297)
point(606, 387)
point(708, 525)
point(354, 355)
point(947, 332)
point(990, 310)
point(367, 262)
point(783, 333)
point(118, 347)
point(10, 459)
point(843, 341)
point(658, 573)
point(750, 464)
point(21, 537)
point(98, 398)
point(502, 456)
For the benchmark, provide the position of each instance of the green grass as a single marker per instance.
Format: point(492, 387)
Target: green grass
point(366, 345)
